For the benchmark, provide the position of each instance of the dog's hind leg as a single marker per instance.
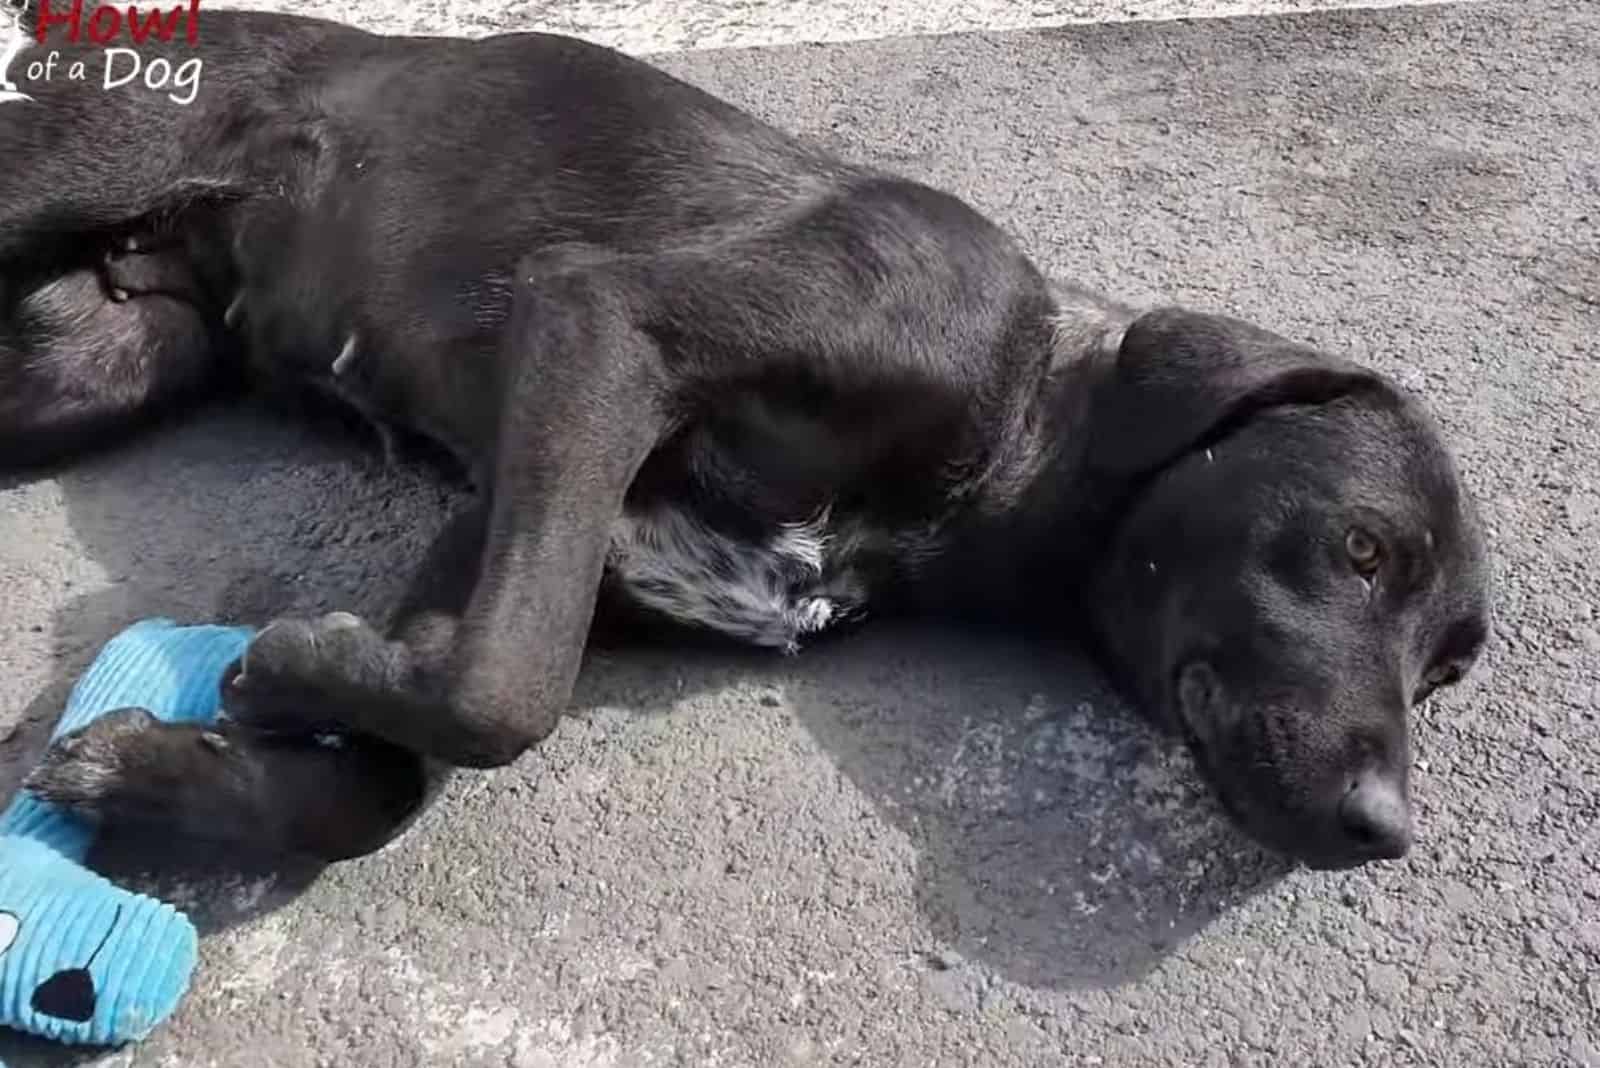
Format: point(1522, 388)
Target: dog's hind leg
point(331, 799)
point(82, 361)
point(81, 159)
point(138, 266)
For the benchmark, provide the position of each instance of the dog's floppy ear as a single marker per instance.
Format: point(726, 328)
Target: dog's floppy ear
point(1182, 378)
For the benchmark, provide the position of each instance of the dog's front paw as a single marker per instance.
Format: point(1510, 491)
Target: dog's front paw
point(125, 764)
point(290, 676)
point(289, 651)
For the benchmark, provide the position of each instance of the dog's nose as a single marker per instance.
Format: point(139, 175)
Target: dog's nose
point(1376, 817)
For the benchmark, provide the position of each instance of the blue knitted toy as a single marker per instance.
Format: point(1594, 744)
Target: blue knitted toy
point(82, 960)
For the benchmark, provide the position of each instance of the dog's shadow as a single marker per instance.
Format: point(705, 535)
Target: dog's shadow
point(1061, 842)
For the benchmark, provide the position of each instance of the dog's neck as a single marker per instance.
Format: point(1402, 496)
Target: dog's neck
point(1039, 514)
point(1086, 326)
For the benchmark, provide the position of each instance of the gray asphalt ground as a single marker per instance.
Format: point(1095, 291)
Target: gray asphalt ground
point(655, 26)
point(931, 849)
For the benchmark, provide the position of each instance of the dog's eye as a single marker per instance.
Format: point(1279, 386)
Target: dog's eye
point(1443, 675)
point(1364, 551)
point(1437, 678)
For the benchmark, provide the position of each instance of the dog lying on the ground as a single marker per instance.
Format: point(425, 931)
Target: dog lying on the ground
point(705, 374)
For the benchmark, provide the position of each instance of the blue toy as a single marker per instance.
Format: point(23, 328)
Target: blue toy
point(82, 960)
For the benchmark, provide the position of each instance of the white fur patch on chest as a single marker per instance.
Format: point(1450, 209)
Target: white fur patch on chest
point(770, 593)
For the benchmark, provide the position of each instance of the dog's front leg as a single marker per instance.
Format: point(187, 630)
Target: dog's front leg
point(485, 648)
point(477, 682)
point(272, 790)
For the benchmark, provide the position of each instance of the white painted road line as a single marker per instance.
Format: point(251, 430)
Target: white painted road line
point(654, 26)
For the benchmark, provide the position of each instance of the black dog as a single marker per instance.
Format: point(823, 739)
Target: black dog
point(704, 373)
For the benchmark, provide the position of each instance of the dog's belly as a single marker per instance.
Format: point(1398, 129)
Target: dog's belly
point(769, 592)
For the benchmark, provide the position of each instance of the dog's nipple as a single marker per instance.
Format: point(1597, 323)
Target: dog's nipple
point(347, 356)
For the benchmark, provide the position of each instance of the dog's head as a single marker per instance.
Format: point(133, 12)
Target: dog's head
point(1297, 567)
